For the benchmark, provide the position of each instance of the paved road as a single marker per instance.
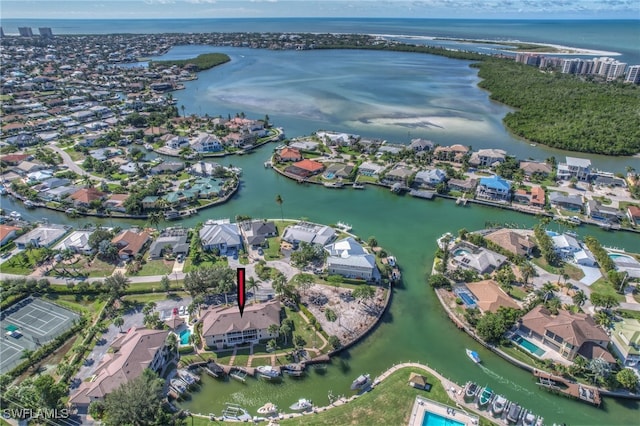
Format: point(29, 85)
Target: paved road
point(66, 159)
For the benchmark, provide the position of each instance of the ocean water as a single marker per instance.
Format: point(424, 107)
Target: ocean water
point(621, 36)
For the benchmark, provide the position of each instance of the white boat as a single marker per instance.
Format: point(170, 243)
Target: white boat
point(391, 261)
point(301, 405)
point(343, 226)
point(29, 204)
point(360, 382)
point(498, 406)
point(529, 419)
point(575, 220)
point(178, 385)
point(148, 146)
point(268, 408)
point(268, 372)
point(357, 186)
point(333, 185)
point(187, 377)
point(474, 356)
point(15, 215)
point(235, 412)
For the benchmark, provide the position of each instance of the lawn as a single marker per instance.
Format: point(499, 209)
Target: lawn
point(602, 286)
point(574, 272)
point(156, 267)
point(367, 179)
point(625, 313)
point(301, 327)
point(156, 297)
point(389, 404)
point(76, 304)
point(189, 266)
point(518, 293)
point(261, 361)
point(273, 251)
point(75, 155)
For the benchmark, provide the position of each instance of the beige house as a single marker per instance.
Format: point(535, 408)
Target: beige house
point(133, 352)
point(223, 326)
point(489, 296)
point(568, 333)
point(512, 241)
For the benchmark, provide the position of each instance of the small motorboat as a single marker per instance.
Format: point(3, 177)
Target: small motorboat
point(361, 382)
point(301, 405)
point(514, 413)
point(15, 215)
point(474, 356)
point(268, 409)
point(485, 397)
point(178, 385)
point(529, 419)
point(268, 372)
point(470, 391)
point(498, 406)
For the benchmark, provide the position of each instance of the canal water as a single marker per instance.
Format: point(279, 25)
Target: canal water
point(415, 328)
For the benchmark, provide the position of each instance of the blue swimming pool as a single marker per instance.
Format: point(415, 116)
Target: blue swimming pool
point(467, 299)
point(461, 251)
point(529, 346)
point(184, 336)
point(432, 419)
point(330, 175)
point(615, 256)
point(552, 234)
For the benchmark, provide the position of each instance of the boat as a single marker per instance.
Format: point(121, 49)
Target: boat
point(575, 220)
point(474, 356)
point(361, 382)
point(3, 190)
point(357, 186)
point(172, 215)
point(540, 421)
point(485, 397)
point(333, 185)
point(148, 147)
point(571, 234)
point(514, 413)
point(187, 377)
point(301, 405)
point(498, 405)
point(238, 374)
point(391, 261)
point(529, 419)
point(605, 225)
point(15, 215)
point(268, 372)
point(268, 409)
point(470, 391)
point(178, 385)
point(29, 204)
point(344, 227)
point(235, 412)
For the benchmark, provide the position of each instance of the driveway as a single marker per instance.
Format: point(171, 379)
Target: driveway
point(591, 274)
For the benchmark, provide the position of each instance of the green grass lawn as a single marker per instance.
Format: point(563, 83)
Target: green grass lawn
point(261, 361)
point(300, 327)
point(389, 404)
point(625, 313)
point(241, 360)
point(518, 293)
point(602, 286)
point(72, 302)
point(75, 155)
point(156, 297)
point(189, 266)
point(574, 272)
point(99, 268)
point(156, 267)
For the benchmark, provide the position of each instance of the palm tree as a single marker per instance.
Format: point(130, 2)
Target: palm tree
point(172, 343)
point(155, 218)
point(528, 271)
point(579, 298)
point(548, 290)
point(273, 329)
point(118, 322)
point(279, 201)
point(284, 332)
point(254, 286)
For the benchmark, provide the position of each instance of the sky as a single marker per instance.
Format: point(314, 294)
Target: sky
point(479, 9)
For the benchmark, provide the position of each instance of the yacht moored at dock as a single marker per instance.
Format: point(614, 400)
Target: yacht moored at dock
point(302, 405)
point(268, 372)
point(361, 382)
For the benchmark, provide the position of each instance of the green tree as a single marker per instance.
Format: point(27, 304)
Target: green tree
point(505, 277)
point(334, 342)
point(165, 284)
point(627, 379)
point(579, 298)
point(285, 331)
point(364, 293)
point(606, 301)
point(299, 341)
point(116, 284)
point(279, 201)
point(304, 281)
point(439, 281)
point(491, 327)
point(119, 322)
point(253, 285)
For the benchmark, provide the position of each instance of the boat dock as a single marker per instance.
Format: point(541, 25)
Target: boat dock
point(214, 370)
point(427, 195)
point(561, 385)
point(239, 374)
point(462, 201)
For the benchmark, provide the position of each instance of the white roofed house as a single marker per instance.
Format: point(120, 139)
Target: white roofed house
point(370, 169)
point(580, 168)
point(206, 143)
point(419, 145)
point(430, 177)
point(310, 233)
point(224, 326)
point(177, 142)
point(222, 236)
point(78, 242)
point(487, 157)
point(42, 236)
point(565, 245)
point(349, 259)
point(479, 259)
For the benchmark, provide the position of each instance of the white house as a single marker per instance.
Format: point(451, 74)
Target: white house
point(221, 235)
point(78, 241)
point(430, 177)
point(351, 260)
point(565, 245)
point(206, 143)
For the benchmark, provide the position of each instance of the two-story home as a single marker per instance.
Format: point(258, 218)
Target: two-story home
point(579, 168)
point(310, 233)
point(289, 154)
point(488, 157)
point(597, 211)
point(512, 241)
point(625, 341)
point(535, 168)
point(204, 143)
point(494, 188)
point(83, 197)
point(479, 259)
point(224, 326)
point(454, 153)
point(534, 197)
point(256, 232)
point(568, 202)
point(429, 178)
point(350, 260)
point(370, 169)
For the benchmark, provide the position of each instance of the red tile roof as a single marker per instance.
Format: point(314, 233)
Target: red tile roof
point(130, 242)
point(86, 195)
point(309, 165)
point(14, 158)
point(6, 230)
point(634, 211)
point(537, 195)
point(290, 153)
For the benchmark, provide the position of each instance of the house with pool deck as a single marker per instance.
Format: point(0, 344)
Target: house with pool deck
point(479, 259)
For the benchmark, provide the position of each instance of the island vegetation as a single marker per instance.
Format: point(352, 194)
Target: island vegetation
point(202, 62)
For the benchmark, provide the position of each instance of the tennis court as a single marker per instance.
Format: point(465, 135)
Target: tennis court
point(30, 324)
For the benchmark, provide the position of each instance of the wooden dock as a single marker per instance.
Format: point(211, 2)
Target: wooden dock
point(427, 195)
point(567, 387)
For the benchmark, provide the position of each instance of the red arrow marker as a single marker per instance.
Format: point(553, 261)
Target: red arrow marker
point(242, 297)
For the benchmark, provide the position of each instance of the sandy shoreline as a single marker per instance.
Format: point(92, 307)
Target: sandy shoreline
point(562, 50)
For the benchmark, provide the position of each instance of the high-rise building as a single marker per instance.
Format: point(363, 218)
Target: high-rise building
point(633, 74)
point(616, 70)
point(1, 32)
point(25, 31)
point(45, 32)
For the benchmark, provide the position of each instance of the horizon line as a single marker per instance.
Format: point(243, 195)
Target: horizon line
point(330, 17)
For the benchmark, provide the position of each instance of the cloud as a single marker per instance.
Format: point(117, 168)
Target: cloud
point(200, 1)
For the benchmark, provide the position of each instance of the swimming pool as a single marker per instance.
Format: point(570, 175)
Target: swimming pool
point(461, 251)
point(615, 256)
point(552, 233)
point(184, 336)
point(330, 175)
point(432, 419)
point(530, 347)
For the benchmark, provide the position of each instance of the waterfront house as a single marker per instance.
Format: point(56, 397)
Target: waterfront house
point(533, 197)
point(177, 142)
point(338, 170)
point(202, 168)
point(429, 178)
point(256, 232)
point(83, 197)
point(131, 354)
point(149, 202)
point(565, 245)
point(570, 334)
point(304, 145)
point(400, 174)
point(535, 169)
point(597, 211)
point(633, 213)
point(14, 159)
point(479, 259)
point(42, 236)
point(370, 169)
point(463, 185)
point(8, 233)
point(608, 179)
point(77, 241)
point(310, 233)
point(102, 154)
point(26, 167)
point(115, 202)
point(625, 341)
point(39, 176)
point(289, 154)
point(494, 188)
point(305, 168)
point(52, 183)
point(579, 168)
point(455, 153)
point(130, 243)
point(420, 145)
point(169, 167)
point(487, 157)
point(170, 240)
point(336, 138)
point(222, 236)
point(490, 297)
point(224, 326)
point(568, 202)
point(204, 143)
point(58, 194)
point(349, 259)
point(584, 257)
point(512, 241)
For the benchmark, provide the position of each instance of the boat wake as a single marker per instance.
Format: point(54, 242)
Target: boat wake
point(504, 380)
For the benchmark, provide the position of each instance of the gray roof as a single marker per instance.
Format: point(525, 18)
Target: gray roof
point(224, 233)
point(557, 197)
point(362, 261)
point(42, 236)
point(309, 233)
point(256, 231)
point(178, 244)
point(578, 162)
point(345, 247)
